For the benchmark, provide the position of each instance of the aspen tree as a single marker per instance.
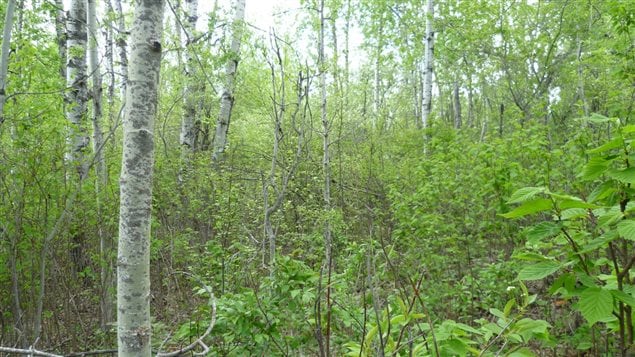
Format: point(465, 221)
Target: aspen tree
point(227, 98)
point(133, 258)
point(428, 65)
point(4, 56)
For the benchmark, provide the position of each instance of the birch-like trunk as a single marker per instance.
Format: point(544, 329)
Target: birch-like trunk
point(190, 96)
point(121, 45)
point(77, 95)
point(106, 301)
point(227, 98)
point(428, 66)
point(133, 258)
point(4, 57)
point(60, 34)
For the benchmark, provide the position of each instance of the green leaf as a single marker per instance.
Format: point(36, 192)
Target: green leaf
point(596, 118)
point(497, 313)
point(538, 271)
point(600, 241)
point(596, 304)
point(541, 231)
point(523, 352)
point(602, 191)
point(626, 228)
point(529, 207)
point(594, 168)
point(626, 176)
point(528, 327)
point(525, 194)
point(508, 307)
point(613, 144)
point(623, 297)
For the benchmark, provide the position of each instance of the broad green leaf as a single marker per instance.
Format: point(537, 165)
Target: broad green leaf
point(626, 228)
point(468, 328)
point(565, 285)
point(523, 352)
point(626, 175)
point(538, 271)
point(600, 241)
point(624, 297)
point(596, 304)
point(530, 256)
point(525, 194)
point(573, 213)
point(612, 144)
point(595, 168)
point(541, 231)
point(602, 191)
point(497, 313)
point(528, 327)
point(508, 307)
point(529, 207)
point(627, 129)
point(596, 118)
point(609, 216)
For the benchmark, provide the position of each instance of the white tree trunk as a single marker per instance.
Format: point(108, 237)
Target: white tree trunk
point(77, 96)
point(106, 301)
point(121, 45)
point(60, 33)
point(133, 259)
point(428, 66)
point(227, 98)
point(4, 57)
point(187, 137)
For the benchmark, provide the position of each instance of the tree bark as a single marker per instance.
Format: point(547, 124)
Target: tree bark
point(4, 57)
point(227, 98)
point(60, 33)
point(326, 169)
point(106, 301)
point(458, 120)
point(121, 45)
point(133, 258)
point(428, 66)
point(187, 136)
point(76, 113)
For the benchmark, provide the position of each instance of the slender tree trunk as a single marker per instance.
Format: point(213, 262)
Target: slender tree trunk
point(133, 258)
point(60, 34)
point(106, 301)
point(227, 98)
point(122, 34)
point(326, 169)
point(458, 120)
point(191, 96)
point(76, 112)
point(110, 62)
point(4, 56)
point(428, 66)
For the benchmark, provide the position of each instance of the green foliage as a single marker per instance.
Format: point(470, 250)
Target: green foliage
point(589, 245)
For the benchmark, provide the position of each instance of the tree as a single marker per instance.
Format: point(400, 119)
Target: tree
point(133, 257)
point(191, 94)
point(105, 301)
point(428, 66)
point(4, 56)
point(227, 97)
point(76, 113)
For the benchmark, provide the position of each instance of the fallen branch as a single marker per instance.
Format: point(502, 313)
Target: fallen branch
point(199, 341)
point(31, 351)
